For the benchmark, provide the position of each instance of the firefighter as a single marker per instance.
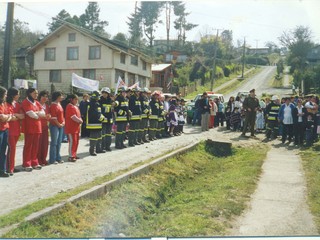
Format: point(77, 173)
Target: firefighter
point(135, 109)
point(122, 115)
point(107, 104)
point(161, 118)
point(145, 112)
point(272, 111)
point(94, 124)
point(155, 111)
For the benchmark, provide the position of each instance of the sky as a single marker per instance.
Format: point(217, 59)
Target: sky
point(259, 21)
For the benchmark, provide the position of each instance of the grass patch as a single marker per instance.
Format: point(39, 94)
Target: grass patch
point(311, 165)
point(194, 194)
point(18, 215)
point(217, 83)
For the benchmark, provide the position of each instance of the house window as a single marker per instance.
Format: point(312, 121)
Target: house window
point(72, 53)
point(144, 65)
point(118, 74)
point(72, 37)
point(134, 60)
point(55, 76)
point(49, 54)
point(89, 73)
point(94, 52)
point(123, 58)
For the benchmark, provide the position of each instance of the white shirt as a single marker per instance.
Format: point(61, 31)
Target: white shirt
point(299, 112)
point(287, 115)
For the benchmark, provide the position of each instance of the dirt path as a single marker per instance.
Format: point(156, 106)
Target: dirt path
point(278, 206)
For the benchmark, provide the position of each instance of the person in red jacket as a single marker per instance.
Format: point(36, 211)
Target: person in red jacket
point(14, 109)
point(32, 130)
point(44, 137)
point(57, 123)
point(72, 127)
point(5, 118)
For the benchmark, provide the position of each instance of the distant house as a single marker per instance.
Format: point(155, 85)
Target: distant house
point(313, 57)
point(258, 51)
point(71, 49)
point(161, 45)
point(161, 76)
point(175, 56)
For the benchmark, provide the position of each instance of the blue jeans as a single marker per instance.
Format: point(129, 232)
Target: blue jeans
point(55, 144)
point(3, 150)
point(196, 116)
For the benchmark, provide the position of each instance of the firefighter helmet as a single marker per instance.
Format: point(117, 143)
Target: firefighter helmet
point(106, 89)
point(122, 89)
point(95, 95)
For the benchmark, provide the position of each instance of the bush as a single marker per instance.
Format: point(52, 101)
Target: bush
point(226, 71)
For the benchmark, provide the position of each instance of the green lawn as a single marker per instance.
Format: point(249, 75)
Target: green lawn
point(194, 194)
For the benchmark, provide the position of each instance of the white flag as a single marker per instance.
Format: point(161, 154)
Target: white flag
point(136, 85)
point(84, 83)
point(120, 83)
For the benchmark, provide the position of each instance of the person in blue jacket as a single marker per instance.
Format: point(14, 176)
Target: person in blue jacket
point(286, 118)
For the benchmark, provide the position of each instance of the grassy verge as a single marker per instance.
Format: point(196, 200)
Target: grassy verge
point(195, 194)
point(216, 84)
point(311, 165)
point(18, 215)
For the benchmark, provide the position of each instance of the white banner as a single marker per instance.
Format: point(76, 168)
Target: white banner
point(24, 83)
point(84, 83)
point(136, 85)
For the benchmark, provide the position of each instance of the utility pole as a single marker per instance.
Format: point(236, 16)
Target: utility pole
point(257, 40)
point(214, 60)
point(243, 56)
point(6, 76)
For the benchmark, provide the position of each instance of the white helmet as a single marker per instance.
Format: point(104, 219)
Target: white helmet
point(106, 89)
point(274, 98)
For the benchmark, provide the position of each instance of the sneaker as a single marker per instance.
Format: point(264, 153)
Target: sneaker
point(38, 167)
point(4, 174)
point(28, 169)
point(71, 159)
point(61, 161)
point(11, 173)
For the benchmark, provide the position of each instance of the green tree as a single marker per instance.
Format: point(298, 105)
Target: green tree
point(150, 12)
point(135, 27)
point(90, 19)
point(181, 24)
point(120, 38)
point(62, 17)
point(299, 43)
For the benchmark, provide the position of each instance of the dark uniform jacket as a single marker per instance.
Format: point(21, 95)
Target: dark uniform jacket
point(94, 115)
point(145, 108)
point(155, 109)
point(106, 109)
point(135, 108)
point(251, 102)
point(121, 109)
point(272, 112)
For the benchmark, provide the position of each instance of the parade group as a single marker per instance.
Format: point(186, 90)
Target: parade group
point(136, 115)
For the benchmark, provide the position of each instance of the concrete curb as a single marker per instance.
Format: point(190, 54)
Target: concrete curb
point(102, 189)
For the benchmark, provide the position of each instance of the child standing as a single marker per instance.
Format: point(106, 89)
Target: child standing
point(235, 119)
point(259, 120)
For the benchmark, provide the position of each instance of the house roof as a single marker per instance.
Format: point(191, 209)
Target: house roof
point(159, 67)
point(91, 34)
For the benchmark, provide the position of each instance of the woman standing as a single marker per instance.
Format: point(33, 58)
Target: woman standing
point(14, 109)
point(72, 129)
point(44, 137)
point(56, 128)
point(32, 130)
point(5, 117)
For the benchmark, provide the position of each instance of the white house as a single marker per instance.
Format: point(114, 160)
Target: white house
point(71, 49)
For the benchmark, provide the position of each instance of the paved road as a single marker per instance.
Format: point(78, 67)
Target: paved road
point(260, 82)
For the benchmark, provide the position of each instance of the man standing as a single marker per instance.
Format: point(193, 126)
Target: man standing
point(135, 108)
point(94, 124)
point(272, 111)
point(205, 111)
point(145, 110)
point(250, 105)
point(285, 116)
point(106, 103)
point(121, 111)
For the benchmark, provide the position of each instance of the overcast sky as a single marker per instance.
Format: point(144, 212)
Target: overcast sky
point(257, 20)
